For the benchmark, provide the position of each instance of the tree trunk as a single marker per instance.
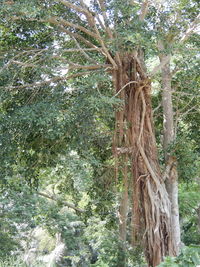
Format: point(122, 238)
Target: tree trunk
point(171, 162)
point(134, 137)
point(123, 210)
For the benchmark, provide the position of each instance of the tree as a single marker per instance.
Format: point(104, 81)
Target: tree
point(103, 36)
point(169, 44)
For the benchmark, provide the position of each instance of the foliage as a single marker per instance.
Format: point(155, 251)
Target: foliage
point(16, 262)
point(190, 256)
point(17, 217)
point(189, 200)
point(8, 244)
point(185, 150)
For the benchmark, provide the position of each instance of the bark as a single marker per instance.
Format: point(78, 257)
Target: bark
point(123, 210)
point(135, 138)
point(171, 162)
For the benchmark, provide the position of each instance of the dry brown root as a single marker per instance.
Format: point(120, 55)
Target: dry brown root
point(135, 138)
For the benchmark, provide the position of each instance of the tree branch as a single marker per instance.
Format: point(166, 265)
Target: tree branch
point(57, 21)
point(82, 51)
point(105, 18)
point(100, 22)
point(89, 67)
point(84, 10)
point(73, 65)
point(72, 6)
point(190, 30)
point(104, 49)
point(144, 10)
point(161, 65)
point(166, 58)
point(77, 36)
point(90, 14)
point(42, 83)
point(19, 54)
point(72, 206)
point(24, 64)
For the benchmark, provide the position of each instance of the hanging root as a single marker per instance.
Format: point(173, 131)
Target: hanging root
point(134, 136)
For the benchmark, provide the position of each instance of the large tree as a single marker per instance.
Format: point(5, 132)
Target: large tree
point(117, 39)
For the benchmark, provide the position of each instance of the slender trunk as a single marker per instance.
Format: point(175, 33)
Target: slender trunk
point(171, 162)
point(135, 138)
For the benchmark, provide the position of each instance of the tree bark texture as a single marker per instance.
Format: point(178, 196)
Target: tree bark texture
point(171, 162)
point(123, 210)
point(134, 137)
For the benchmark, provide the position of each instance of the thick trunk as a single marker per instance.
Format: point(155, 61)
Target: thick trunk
point(123, 210)
point(168, 128)
point(135, 138)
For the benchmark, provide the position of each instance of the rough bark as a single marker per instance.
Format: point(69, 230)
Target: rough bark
point(171, 162)
point(134, 137)
point(123, 210)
